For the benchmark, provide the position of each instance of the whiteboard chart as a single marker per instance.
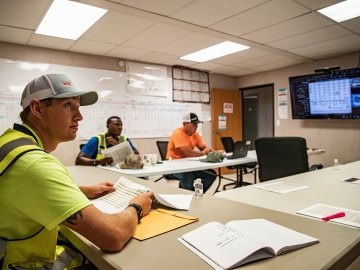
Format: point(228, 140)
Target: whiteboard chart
point(144, 116)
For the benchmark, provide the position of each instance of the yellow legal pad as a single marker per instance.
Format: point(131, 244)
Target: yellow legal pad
point(160, 221)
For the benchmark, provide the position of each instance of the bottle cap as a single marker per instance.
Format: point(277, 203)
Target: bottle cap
point(197, 181)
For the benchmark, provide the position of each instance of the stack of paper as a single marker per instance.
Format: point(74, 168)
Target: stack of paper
point(158, 221)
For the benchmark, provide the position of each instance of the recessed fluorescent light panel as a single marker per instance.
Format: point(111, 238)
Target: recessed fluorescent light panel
point(216, 51)
point(68, 19)
point(342, 11)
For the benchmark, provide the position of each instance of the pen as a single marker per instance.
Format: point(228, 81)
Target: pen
point(336, 215)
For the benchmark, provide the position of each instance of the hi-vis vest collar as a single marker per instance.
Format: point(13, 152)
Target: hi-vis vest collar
point(13, 144)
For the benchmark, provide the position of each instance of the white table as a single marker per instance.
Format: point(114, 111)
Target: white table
point(180, 166)
point(165, 252)
point(325, 187)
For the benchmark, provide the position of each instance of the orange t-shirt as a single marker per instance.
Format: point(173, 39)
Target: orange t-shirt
point(179, 139)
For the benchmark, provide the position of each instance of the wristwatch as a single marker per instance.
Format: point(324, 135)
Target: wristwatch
point(138, 209)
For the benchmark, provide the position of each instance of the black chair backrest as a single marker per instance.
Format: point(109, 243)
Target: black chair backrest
point(162, 146)
point(228, 144)
point(281, 156)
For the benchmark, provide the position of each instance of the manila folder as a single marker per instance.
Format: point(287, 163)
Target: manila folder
point(160, 221)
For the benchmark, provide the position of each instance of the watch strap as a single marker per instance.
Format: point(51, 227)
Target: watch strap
point(138, 209)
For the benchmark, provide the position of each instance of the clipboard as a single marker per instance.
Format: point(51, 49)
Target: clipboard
point(160, 221)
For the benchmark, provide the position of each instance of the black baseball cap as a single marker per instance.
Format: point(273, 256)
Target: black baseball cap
point(191, 118)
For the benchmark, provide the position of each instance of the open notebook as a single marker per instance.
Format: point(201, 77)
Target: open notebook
point(241, 241)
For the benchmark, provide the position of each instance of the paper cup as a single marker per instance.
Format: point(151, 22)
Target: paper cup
point(150, 159)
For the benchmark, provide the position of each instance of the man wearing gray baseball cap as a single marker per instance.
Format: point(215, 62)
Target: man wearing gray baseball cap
point(37, 192)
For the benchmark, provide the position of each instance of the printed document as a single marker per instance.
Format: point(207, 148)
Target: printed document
point(280, 187)
point(126, 190)
point(118, 152)
point(242, 241)
point(352, 217)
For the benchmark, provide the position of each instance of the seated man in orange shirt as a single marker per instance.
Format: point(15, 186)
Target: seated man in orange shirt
point(182, 144)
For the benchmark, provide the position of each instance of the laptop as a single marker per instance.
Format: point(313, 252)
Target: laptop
point(240, 150)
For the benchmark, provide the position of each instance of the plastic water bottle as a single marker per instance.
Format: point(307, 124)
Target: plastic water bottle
point(199, 189)
point(336, 164)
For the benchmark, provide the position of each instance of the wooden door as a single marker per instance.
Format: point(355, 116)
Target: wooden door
point(226, 115)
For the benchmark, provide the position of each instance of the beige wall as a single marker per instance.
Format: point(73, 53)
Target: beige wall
point(339, 138)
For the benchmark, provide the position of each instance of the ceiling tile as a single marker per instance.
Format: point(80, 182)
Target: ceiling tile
point(206, 13)
point(14, 35)
point(164, 7)
point(242, 72)
point(50, 42)
point(116, 28)
point(189, 44)
point(155, 57)
point(329, 48)
point(353, 25)
point(177, 62)
point(156, 36)
point(318, 4)
point(92, 47)
point(261, 17)
point(263, 61)
point(126, 52)
point(28, 13)
point(313, 37)
point(241, 56)
point(225, 69)
point(298, 25)
point(289, 62)
point(207, 66)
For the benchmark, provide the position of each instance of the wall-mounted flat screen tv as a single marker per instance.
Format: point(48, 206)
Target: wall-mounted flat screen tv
point(329, 95)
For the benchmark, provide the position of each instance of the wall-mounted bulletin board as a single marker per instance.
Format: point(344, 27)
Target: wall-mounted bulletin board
point(146, 112)
point(190, 85)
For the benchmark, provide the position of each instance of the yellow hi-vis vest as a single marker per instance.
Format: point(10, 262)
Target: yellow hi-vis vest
point(102, 144)
point(27, 253)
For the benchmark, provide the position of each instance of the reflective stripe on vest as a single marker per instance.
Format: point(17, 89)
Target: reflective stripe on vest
point(102, 144)
point(13, 144)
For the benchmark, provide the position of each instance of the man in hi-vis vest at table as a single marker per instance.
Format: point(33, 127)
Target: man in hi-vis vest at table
point(90, 153)
point(37, 193)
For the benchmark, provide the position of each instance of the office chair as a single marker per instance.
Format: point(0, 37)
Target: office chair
point(282, 156)
point(241, 169)
point(162, 147)
point(228, 144)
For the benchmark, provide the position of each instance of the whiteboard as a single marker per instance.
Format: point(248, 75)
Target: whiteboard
point(144, 115)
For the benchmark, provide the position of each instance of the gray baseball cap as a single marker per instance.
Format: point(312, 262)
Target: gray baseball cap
point(55, 86)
